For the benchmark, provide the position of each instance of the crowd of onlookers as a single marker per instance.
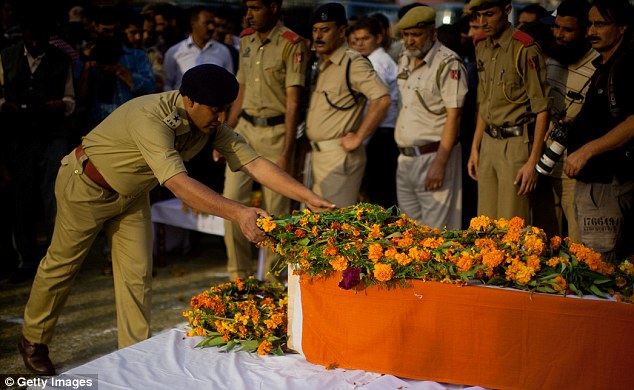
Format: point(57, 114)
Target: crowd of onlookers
point(105, 56)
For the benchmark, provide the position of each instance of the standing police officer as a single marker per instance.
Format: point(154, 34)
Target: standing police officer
point(334, 125)
point(104, 183)
point(266, 113)
point(513, 98)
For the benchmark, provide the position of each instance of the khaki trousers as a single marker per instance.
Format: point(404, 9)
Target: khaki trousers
point(83, 209)
point(500, 159)
point(337, 174)
point(269, 143)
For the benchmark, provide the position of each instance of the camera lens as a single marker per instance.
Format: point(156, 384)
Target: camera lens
point(549, 158)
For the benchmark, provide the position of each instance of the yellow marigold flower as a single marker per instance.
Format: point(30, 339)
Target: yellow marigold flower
point(492, 258)
point(383, 272)
point(419, 254)
point(316, 217)
point(627, 267)
point(555, 242)
point(533, 244)
point(553, 261)
point(305, 264)
point(375, 232)
point(406, 241)
point(375, 252)
point(512, 237)
point(303, 221)
point(533, 262)
point(265, 347)
point(306, 211)
point(315, 231)
point(265, 224)
point(502, 223)
point(403, 259)
point(432, 243)
point(339, 263)
point(485, 243)
point(304, 253)
point(480, 223)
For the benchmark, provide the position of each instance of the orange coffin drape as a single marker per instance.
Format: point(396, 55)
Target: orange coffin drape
point(490, 337)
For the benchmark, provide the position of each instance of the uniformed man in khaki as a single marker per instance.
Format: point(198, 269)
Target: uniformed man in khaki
point(432, 83)
point(266, 113)
point(335, 124)
point(513, 99)
point(104, 183)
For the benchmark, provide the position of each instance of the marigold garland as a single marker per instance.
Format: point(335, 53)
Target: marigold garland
point(248, 313)
point(370, 244)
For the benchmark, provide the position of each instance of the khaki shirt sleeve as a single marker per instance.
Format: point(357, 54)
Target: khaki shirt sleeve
point(453, 84)
point(296, 61)
point(155, 141)
point(241, 69)
point(233, 147)
point(533, 67)
point(363, 78)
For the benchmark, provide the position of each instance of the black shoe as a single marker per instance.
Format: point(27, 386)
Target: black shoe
point(35, 357)
point(22, 275)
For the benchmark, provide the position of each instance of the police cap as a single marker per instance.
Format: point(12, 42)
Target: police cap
point(417, 17)
point(210, 85)
point(329, 12)
point(475, 5)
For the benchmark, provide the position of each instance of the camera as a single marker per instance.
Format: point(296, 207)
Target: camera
point(559, 136)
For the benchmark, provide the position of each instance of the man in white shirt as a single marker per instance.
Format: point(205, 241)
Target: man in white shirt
point(379, 181)
point(199, 48)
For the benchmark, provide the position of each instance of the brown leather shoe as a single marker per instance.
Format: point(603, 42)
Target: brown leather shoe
point(35, 357)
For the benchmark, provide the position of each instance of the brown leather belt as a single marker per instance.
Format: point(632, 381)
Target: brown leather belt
point(90, 170)
point(414, 151)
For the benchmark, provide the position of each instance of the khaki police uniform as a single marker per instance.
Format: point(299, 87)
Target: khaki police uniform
point(512, 89)
point(267, 68)
point(141, 144)
point(333, 113)
point(556, 192)
point(438, 82)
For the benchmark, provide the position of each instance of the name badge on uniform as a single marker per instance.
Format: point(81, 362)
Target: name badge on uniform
point(173, 120)
point(247, 52)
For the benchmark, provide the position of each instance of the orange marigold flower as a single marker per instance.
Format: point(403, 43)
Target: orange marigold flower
point(512, 237)
point(383, 272)
point(432, 243)
point(390, 253)
point(419, 254)
point(480, 223)
point(502, 223)
point(560, 284)
point(314, 230)
point(485, 243)
point(303, 221)
point(335, 226)
point(339, 263)
point(627, 267)
point(375, 252)
point(553, 261)
point(533, 262)
point(300, 233)
point(492, 258)
point(516, 223)
point(403, 259)
point(240, 284)
point(555, 242)
point(464, 262)
point(533, 244)
point(330, 251)
point(375, 232)
point(304, 253)
point(316, 218)
point(265, 347)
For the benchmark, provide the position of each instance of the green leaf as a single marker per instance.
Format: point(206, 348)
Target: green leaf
point(602, 281)
point(249, 345)
point(546, 289)
point(304, 241)
point(277, 351)
point(211, 342)
point(595, 290)
point(573, 288)
point(230, 345)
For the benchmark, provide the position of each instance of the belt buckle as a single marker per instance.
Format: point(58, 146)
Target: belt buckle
point(494, 131)
point(260, 121)
point(409, 152)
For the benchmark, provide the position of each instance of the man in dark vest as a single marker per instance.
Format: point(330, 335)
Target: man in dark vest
point(37, 94)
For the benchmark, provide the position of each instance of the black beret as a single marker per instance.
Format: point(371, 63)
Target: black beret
point(329, 12)
point(210, 85)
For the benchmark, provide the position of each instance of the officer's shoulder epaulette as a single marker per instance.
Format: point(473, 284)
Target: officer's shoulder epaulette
point(292, 36)
point(247, 31)
point(524, 38)
point(353, 54)
point(478, 38)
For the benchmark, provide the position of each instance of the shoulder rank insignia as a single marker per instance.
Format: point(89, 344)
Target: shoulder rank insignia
point(173, 120)
point(291, 36)
point(247, 31)
point(524, 38)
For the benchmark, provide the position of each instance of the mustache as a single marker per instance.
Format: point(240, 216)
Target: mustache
point(320, 42)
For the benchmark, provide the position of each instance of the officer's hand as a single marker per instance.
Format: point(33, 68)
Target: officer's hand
point(317, 203)
point(575, 162)
point(350, 142)
point(526, 178)
point(246, 219)
point(472, 165)
point(435, 176)
point(219, 158)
